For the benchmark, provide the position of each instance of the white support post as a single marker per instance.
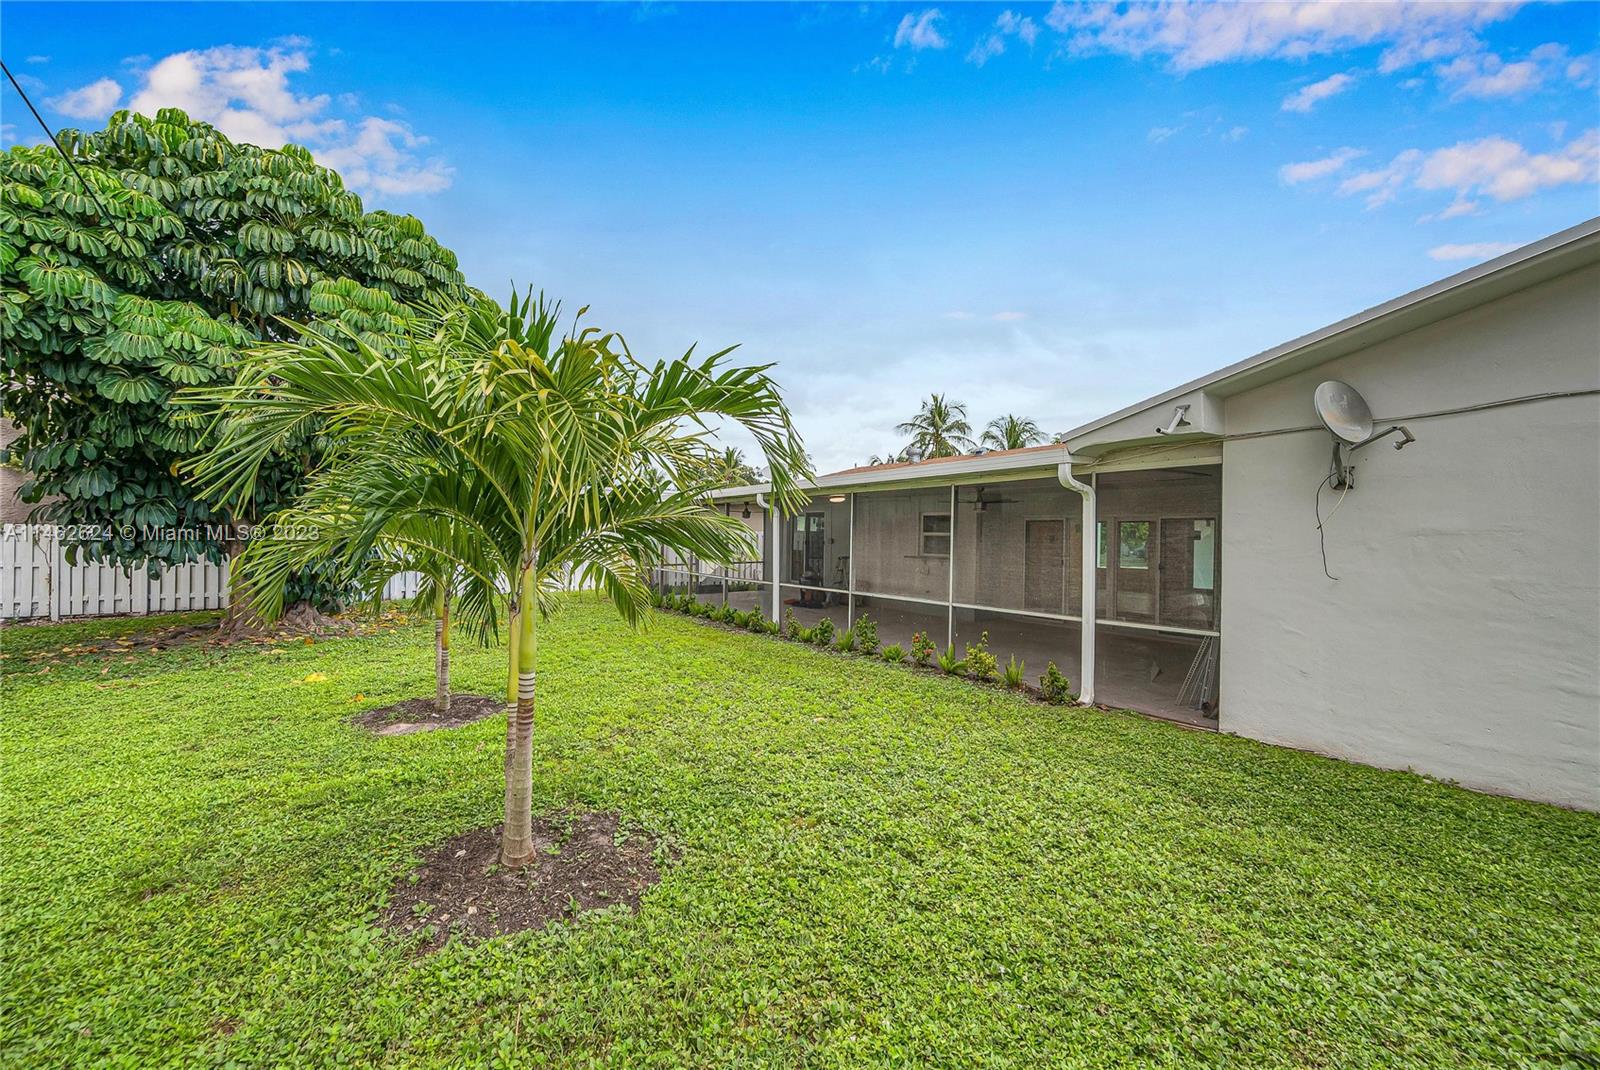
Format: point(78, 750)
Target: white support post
point(850, 569)
point(775, 533)
point(1091, 577)
point(950, 577)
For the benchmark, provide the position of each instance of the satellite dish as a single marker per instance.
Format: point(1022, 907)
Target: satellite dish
point(1344, 412)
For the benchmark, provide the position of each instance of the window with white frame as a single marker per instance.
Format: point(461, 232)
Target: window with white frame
point(935, 535)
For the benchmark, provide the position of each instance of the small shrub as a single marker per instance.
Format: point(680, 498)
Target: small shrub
point(754, 621)
point(823, 632)
point(771, 627)
point(866, 630)
point(806, 635)
point(739, 619)
point(1054, 687)
point(791, 626)
point(1011, 674)
point(922, 648)
point(847, 641)
point(952, 665)
point(981, 665)
point(894, 653)
point(655, 598)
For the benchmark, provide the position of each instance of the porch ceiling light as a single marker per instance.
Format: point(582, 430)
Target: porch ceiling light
point(836, 497)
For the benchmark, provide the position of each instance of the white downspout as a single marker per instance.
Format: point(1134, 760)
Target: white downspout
point(771, 522)
point(1091, 577)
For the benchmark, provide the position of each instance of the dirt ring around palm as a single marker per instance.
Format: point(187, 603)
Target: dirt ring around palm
point(583, 861)
point(424, 715)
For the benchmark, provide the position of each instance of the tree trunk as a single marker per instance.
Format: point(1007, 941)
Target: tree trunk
point(241, 621)
point(516, 840)
point(514, 625)
point(441, 655)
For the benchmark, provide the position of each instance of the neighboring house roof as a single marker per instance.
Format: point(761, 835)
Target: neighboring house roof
point(1534, 263)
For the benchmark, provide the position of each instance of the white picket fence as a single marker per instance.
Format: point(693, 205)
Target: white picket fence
point(37, 582)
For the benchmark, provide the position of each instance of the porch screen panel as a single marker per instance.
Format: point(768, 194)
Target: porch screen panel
point(903, 542)
point(1033, 641)
point(709, 588)
point(809, 605)
point(816, 544)
point(1160, 559)
point(1165, 673)
point(1019, 546)
point(898, 621)
point(675, 581)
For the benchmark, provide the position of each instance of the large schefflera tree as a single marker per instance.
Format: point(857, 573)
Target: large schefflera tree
point(185, 248)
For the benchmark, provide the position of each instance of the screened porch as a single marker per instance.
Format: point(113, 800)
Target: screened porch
point(1005, 557)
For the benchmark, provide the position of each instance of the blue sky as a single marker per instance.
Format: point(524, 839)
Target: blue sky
point(1039, 209)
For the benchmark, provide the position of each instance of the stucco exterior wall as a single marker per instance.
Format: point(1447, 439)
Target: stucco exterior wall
point(1462, 636)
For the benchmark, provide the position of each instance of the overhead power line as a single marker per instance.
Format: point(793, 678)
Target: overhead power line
point(54, 141)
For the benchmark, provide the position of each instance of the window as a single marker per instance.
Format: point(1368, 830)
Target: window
point(935, 534)
point(1205, 555)
point(1100, 544)
point(1133, 544)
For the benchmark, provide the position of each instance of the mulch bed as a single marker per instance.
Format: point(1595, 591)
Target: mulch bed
point(461, 892)
point(421, 715)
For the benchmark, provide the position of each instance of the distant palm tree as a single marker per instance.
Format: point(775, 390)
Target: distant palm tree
point(940, 429)
point(732, 470)
point(1011, 433)
point(892, 456)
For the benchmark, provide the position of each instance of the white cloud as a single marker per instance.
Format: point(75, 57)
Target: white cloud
point(1494, 167)
point(920, 31)
point(986, 49)
point(93, 101)
point(1485, 75)
point(1009, 24)
point(246, 93)
point(1307, 97)
point(378, 158)
point(1309, 170)
point(1483, 250)
point(1506, 171)
point(1020, 26)
point(1459, 207)
point(37, 59)
point(1008, 316)
point(1235, 133)
point(1158, 134)
point(1191, 35)
point(1382, 184)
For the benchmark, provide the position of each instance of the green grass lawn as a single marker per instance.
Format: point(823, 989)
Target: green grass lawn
point(874, 867)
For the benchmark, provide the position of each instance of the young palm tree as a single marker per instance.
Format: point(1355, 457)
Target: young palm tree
point(518, 455)
point(1011, 433)
point(940, 429)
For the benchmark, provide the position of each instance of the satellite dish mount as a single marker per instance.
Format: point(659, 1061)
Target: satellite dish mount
point(1344, 412)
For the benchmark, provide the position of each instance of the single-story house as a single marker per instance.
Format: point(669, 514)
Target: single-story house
point(1434, 607)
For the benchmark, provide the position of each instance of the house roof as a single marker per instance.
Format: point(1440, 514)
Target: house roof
point(1536, 262)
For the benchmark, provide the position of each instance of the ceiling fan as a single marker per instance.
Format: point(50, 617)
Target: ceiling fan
point(984, 497)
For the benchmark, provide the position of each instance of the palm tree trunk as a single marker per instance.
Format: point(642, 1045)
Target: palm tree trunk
point(441, 652)
point(514, 624)
point(516, 839)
